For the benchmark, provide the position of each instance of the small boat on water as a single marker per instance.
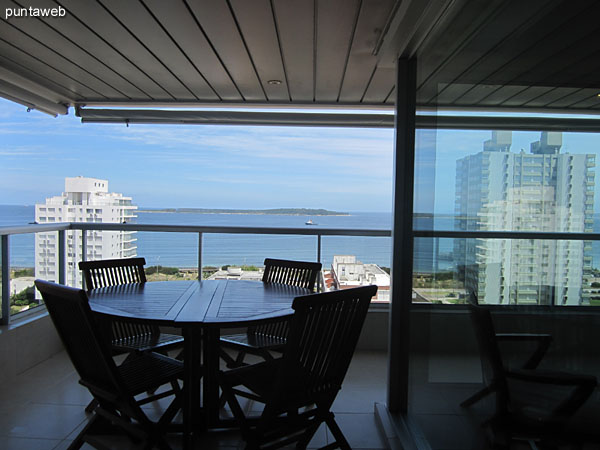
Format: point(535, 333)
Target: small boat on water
point(310, 222)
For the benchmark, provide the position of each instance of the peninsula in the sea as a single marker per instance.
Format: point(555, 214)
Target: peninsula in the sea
point(275, 211)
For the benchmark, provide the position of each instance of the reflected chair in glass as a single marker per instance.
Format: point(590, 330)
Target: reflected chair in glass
point(262, 339)
point(530, 403)
point(298, 389)
point(127, 336)
point(113, 387)
point(543, 343)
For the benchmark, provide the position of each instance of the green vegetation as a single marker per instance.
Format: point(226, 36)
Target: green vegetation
point(207, 271)
point(160, 269)
point(247, 268)
point(23, 300)
point(27, 272)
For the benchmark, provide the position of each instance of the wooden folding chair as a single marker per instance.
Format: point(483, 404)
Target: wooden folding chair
point(113, 387)
point(127, 336)
point(265, 338)
point(298, 389)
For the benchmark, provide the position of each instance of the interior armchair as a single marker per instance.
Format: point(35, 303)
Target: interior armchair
point(263, 339)
point(298, 389)
point(531, 404)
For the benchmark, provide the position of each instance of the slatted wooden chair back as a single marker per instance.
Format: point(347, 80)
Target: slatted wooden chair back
point(294, 273)
point(113, 272)
point(81, 335)
point(324, 331)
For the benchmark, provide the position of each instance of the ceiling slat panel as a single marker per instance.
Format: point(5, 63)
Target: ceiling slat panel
point(361, 62)
point(391, 97)
point(78, 33)
point(551, 96)
point(570, 67)
point(490, 37)
point(335, 26)
point(537, 60)
point(56, 92)
point(449, 93)
point(382, 83)
point(590, 103)
point(579, 70)
point(258, 28)
point(532, 31)
point(295, 22)
point(501, 95)
point(581, 95)
point(476, 94)
point(215, 18)
point(435, 58)
point(137, 19)
point(110, 30)
point(526, 96)
point(43, 33)
point(180, 24)
point(55, 60)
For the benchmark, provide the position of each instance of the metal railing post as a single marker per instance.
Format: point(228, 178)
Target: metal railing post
point(83, 254)
point(319, 286)
point(5, 281)
point(200, 255)
point(62, 263)
point(318, 248)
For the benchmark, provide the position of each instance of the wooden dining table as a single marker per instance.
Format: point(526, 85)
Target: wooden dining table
point(200, 309)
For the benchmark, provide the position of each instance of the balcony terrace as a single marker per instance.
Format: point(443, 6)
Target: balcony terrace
point(503, 65)
point(43, 408)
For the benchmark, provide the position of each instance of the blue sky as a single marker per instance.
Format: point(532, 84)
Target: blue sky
point(198, 166)
point(206, 166)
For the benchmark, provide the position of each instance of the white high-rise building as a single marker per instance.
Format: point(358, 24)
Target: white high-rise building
point(540, 191)
point(84, 200)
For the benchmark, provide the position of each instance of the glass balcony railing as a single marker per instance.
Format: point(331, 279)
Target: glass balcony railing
point(184, 252)
point(507, 268)
point(501, 267)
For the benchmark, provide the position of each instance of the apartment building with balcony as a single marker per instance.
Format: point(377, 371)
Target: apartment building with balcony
point(84, 200)
point(348, 272)
point(540, 191)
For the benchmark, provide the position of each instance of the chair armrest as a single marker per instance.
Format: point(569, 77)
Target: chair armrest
point(544, 341)
point(551, 377)
point(238, 375)
point(523, 336)
point(583, 385)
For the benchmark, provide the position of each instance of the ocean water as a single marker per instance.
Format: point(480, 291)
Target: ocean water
point(181, 249)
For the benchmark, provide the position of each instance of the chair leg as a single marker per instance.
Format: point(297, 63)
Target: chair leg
point(92, 405)
point(307, 436)
point(337, 433)
point(477, 396)
point(229, 361)
point(239, 361)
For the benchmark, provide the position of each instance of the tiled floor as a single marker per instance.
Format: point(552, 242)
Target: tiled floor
point(44, 408)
